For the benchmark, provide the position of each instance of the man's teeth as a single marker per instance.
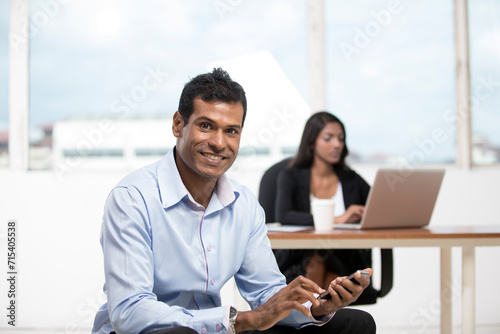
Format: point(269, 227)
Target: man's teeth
point(211, 156)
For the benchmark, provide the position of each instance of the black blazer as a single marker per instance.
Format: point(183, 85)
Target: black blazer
point(293, 205)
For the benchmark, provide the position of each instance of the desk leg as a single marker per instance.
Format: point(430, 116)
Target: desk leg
point(468, 290)
point(446, 300)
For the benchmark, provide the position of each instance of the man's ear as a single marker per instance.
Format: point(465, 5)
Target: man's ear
point(177, 124)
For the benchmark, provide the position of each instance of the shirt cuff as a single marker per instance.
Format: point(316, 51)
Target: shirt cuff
point(225, 318)
point(321, 320)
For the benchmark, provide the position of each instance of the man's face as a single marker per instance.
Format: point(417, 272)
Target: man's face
point(209, 143)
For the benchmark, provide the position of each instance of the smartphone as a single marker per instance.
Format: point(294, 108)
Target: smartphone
point(326, 295)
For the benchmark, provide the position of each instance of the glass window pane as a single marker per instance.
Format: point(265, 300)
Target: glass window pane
point(484, 41)
point(95, 64)
point(4, 82)
point(390, 78)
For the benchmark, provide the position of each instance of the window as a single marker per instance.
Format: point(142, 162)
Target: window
point(390, 79)
point(254, 151)
point(484, 42)
point(146, 152)
point(4, 82)
point(390, 73)
point(94, 61)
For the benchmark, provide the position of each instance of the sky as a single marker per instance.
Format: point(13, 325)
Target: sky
point(90, 65)
point(392, 73)
point(390, 64)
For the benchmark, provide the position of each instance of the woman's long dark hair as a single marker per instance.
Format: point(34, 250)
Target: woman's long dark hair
point(314, 125)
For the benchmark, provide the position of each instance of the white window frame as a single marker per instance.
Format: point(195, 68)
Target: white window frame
point(18, 85)
point(19, 79)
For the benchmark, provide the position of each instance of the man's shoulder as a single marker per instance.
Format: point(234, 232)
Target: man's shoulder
point(246, 205)
point(140, 177)
point(241, 190)
point(237, 186)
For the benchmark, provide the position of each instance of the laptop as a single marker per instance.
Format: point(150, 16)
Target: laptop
point(399, 199)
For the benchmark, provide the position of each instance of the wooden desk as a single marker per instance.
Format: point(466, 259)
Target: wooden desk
point(444, 237)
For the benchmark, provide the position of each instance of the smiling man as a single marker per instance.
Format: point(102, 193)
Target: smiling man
point(176, 231)
point(207, 145)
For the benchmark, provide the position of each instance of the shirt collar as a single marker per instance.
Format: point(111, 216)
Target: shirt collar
point(172, 190)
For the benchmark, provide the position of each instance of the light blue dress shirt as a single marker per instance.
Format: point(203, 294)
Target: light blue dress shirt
point(166, 257)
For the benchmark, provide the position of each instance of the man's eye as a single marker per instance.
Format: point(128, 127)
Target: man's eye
point(205, 126)
point(232, 131)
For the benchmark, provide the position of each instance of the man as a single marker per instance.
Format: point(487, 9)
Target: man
point(176, 231)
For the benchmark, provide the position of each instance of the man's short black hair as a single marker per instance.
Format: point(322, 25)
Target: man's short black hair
point(216, 86)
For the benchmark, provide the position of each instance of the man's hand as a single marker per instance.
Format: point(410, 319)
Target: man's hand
point(343, 293)
point(279, 306)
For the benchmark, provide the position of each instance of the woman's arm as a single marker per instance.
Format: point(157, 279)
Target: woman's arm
point(354, 198)
point(288, 208)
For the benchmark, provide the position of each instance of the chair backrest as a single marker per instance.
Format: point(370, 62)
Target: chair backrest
point(267, 198)
point(267, 188)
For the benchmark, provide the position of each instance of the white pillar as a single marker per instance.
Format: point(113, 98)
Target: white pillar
point(468, 290)
point(463, 105)
point(446, 298)
point(316, 53)
point(18, 85)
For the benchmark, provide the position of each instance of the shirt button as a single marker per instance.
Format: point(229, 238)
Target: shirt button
point(209, 248)
point(204, 330)
point(218, 327)
point(213, 282)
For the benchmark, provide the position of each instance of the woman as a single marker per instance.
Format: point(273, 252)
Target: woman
point(319, 171)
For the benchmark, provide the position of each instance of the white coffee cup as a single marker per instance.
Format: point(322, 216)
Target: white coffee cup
point(323, 213)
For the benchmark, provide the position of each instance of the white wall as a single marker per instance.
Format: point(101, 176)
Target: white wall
point(60, 265)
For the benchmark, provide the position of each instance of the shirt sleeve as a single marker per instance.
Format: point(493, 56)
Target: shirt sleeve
point(257, 282)
point(128, 265)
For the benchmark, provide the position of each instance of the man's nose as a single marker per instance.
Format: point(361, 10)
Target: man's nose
point(217, 141)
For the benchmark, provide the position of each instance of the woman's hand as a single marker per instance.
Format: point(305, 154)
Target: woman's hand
point(352, 214)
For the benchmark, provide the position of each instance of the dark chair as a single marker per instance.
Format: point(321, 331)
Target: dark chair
point(267, 197)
